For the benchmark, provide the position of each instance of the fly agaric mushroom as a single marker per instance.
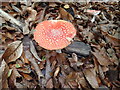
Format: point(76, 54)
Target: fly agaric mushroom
point(54, 34)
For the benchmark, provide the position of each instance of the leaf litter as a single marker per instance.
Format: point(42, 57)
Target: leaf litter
point(24, 64)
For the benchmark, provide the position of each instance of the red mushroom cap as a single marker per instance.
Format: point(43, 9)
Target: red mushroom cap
point(54, 34)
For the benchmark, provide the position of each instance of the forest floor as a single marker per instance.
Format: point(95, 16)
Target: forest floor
point(91, 61)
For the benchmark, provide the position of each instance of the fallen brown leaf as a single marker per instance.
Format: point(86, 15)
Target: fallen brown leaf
point(48, 70)
point(23, 58)
point(115, 41)
point(71, 77)
point(65, 15)
point(33, 51)
point(34, 63)
point(102, 57)
point(29, 56)
point(24, 70)
point(26, 76)
point(57, 71)
point(91, 78)
point(49, 84)
point(40, 16)
point(3, 75)
point(32, 14)
point(13, 51)
point(74, 61)
point(13, 77)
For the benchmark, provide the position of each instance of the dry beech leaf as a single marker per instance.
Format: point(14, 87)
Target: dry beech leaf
point(61, 58)
point(33, 51)
point(49, 84)
point(48, 70)
point(74, 61)
point(65, 15)
point(4, 69)
point(40, 16)
point(14, 75)
point(24, 70)
point(52, 4)
point(57, 71)
point(102, 57)
point(111, 39)
point(93, 12)
point(73, 84)
point(26, 76)
point(23, 58)
point(25, 28)
point(71, 77)
point(9, 27)
point(82, 82)
point(91, 78)
point(32, 15)
point(30, 57)
point(13, 51)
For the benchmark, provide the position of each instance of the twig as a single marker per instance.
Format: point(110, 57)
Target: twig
point(15, 21)
point(10, 18)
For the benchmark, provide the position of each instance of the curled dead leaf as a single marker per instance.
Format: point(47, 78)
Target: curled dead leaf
point(3, 75)
point(32, 15)
point(102, 58)
point(65, 15)
point(13, 77)
point(49, 84)
point(48, 70)
point(111, 39)
point(91, 78)
point(13, 51)
point(26, 76)
point(57, 71)
point(33, 51)
point(30, 57)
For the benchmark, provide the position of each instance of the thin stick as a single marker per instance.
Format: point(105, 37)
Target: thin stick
point(10, 18)
point(24, 26)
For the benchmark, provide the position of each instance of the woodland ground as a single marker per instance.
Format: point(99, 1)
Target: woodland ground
point(24, 64)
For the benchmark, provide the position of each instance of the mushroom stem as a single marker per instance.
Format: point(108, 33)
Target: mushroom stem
point(59, 51)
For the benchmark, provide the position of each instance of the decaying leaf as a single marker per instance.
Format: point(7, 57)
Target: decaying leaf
point(32, 14)
point(48, 70)
point(26, 76)
point(101, 57)
point(23, 58)
point(30, 57)
point(65, 15)
point(24, 70)
point(13, 77)
point(33, 62)
point(93, 12)
point(33, 51)
point(57, 71)
point(40, 16)
point(13, 51)
point(74, 61)
point(71, 77)
point(91, 78)
point(111, 39)
point(3, 75)
point(49, 84)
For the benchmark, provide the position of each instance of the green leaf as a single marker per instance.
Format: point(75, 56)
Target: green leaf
point(17, 66)
point(43, 58)
point(10, 72)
